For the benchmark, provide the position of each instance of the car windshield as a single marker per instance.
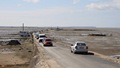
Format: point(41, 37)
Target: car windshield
point(81, 44)
point(48, 39)
point(43, 36)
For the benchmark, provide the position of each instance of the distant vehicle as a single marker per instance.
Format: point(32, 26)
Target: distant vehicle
point(24, 34)
point(41, 37)
point(36, 35)
point(116, 56)
point(79, 47)
point(47, 42)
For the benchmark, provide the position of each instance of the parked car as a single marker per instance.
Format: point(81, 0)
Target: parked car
point(36, 35)
point(41, 37)
point(116, 56)
point(79, 47)
point(47, 42)
point(24, 34)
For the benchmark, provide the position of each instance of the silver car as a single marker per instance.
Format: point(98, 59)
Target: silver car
point(79, 47)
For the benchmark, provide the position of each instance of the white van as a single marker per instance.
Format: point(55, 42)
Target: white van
point(42, 37)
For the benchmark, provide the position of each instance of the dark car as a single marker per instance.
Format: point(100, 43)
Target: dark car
point(47, 42)
point(24, 34)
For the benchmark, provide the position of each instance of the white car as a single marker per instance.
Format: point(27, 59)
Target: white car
point(42, 37)
point(79, 47)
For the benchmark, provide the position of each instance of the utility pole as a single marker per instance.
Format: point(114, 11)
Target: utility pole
point(23, 26)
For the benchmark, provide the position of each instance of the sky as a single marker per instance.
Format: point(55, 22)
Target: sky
point(52, 13)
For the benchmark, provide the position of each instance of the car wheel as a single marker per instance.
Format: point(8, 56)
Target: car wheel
point(87, 52)
point(44, 45)
point(74, 52)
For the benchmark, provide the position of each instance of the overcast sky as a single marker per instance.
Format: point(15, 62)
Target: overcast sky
point(99, 13)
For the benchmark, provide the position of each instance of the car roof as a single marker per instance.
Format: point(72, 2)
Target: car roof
point(79, 42)
point(47, 38)
point(42, 34)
